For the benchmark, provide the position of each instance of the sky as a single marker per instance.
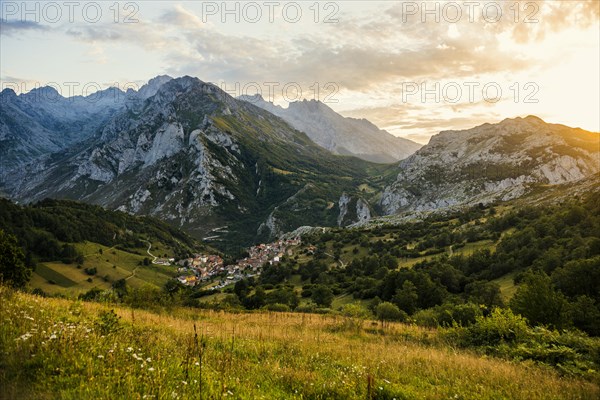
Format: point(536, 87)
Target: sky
point(413, 68)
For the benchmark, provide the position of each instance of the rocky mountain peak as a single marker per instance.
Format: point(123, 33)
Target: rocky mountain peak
point(338, 134)
point(491, 162)
point(8, 93)
point(150, 88)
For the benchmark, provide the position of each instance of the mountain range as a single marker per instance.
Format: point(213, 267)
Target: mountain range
point(200, 159)
point(42, 121)
point(491, 162)
point(338, 134)
point(240, 170)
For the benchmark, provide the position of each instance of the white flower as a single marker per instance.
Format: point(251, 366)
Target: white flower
point(24, 337)
point(148, 359)
point(151, 369)
point(184, 382)
point(100, 356)
point(52, 337)
point(129, 349)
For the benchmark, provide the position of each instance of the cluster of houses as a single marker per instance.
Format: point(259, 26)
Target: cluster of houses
point(203, 268)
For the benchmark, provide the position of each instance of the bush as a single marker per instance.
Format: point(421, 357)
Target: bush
point(387, 312)
point(448, 315)
point(278, 307)
point(501, 326)
point(354, 315)
point(108, 322)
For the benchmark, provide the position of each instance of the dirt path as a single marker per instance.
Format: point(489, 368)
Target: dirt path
point(136, 268)
point(150, 254)
point(342, 264)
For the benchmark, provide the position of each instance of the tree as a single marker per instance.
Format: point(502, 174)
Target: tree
point(579, 277)
point(241, 289)
point(486, 293)
point(387, 312)
point(13, 269)
point(120, 287)
point(585, 315)
point(538, 301)
point(257, 300)
point(407, 297)
point(322, 295)
point(286, 295)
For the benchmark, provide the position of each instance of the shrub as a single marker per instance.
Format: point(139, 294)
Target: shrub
point(278, 307)
point(107, 322)
point(501, 326)
point(387, 312)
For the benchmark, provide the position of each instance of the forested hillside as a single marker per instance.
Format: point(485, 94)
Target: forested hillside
point(543, 262)
point(57, 238)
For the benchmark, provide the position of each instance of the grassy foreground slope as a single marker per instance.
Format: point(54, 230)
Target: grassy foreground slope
point(59, 349)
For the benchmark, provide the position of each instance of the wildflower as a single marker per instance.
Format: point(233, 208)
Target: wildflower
point(148, 359)
point(129, 349)
point(29, 318)
point(100, 356)
point(196, 363)
point(151, 369)
point(184, 383)
point(52, 337)
point(24, 337)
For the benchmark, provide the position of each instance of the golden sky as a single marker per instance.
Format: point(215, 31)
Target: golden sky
point(413, 68)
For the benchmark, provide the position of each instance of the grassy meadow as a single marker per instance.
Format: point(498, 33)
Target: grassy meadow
point(60, 349)
point(110, 263)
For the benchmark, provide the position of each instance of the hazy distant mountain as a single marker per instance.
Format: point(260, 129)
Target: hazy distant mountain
point(43, 122)
point(193, 155)
point(338, 134)
point(492, 162)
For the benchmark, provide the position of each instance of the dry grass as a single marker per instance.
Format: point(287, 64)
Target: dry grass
point(249, 356)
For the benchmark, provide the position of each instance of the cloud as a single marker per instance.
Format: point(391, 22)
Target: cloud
point(359, 53)
point(95, 33)
point(10, 27)
point(367, 54)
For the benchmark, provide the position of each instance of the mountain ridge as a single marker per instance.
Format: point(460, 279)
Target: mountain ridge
point(338, 134)
point(195, 156)
point(491, 162)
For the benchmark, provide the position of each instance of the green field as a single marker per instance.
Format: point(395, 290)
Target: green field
point(507, 285)
point(111, 265)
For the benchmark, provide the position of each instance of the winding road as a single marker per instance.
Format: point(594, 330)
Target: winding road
point(148, 251)
point(136, 268)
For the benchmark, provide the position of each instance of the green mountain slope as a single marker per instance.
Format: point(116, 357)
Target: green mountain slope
point(199, 159)
point(75, 247)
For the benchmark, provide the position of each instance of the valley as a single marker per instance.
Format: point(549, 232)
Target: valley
point(337, 200)
point(203, 213)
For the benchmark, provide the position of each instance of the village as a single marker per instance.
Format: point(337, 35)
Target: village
point(203, 268)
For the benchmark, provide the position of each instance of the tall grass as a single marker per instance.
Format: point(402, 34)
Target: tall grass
point(60, 349)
